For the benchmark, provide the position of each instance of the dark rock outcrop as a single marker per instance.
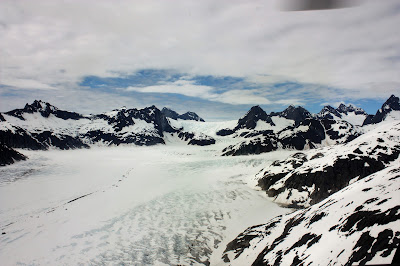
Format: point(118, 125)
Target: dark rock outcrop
point(308, 177)
point(193, 139)
point(9, 155)
point(170, 113)
point(20, 138)
point(361, 217)
point(343, 109)
point(391, 104)
point(313, 133)
point(254, 146)
point(328, 112)
point(191, 116)
point(186, 116)
point(45, 109)
point(152, 124)
point(298, 114)
point(249, 121)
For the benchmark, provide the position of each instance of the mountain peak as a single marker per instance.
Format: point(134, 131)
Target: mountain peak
point(345, 109)
point(255, 114)
point(170, 113)
point(328, 112)
point(39, 105)
point(45, 109)
point(297, 114)
point(391, 104)
point(191, 116)
point(186, 116)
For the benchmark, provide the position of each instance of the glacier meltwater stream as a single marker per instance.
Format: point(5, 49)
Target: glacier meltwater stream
point(157, 205)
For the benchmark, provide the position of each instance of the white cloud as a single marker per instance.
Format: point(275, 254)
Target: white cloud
point(241, 97)
point(188, 88)
point(26, 84)
point(183, 87)
point(290, 101)
point(57, 42)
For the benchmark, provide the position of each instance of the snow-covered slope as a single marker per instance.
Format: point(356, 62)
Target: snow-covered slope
point(349, 113)
point(308, 177)
point(40, 125)
point(357, 225)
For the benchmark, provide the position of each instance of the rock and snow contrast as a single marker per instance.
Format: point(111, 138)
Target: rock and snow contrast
point(308, 177)
point(152, 187)
point(357, 225)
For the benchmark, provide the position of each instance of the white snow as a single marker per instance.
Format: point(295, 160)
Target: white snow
point(141, 205)
point(354, 119)
point(208, 128)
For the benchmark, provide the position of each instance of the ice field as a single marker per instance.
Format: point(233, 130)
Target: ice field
point(166, 204)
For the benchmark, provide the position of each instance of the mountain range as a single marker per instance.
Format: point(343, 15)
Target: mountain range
point(40, 125)
point(344, 179)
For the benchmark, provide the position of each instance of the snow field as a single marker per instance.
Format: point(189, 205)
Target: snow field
point(137, 205)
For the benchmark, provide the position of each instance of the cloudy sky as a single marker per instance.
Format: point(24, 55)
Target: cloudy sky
point(217, 58)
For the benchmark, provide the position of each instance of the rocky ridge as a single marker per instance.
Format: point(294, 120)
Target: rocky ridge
point(357, 225)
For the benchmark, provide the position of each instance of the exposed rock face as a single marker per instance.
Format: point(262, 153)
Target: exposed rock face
point(307, 178)
point(249, 121)
point(391, 105)
point(255, 114)
point(17, 137)
point(298, 114)
point(357, 225)
point(309, 131)
point(307, 134)
point(191, 116)
point(45, 109)
point(186, 116)
point(340, 131)
point(328, 112)
point(343, 109)
point(40, 125)
point(9, 155)
point(255, 145)
point(170, 113)
point(349, 113)
point(196, 139)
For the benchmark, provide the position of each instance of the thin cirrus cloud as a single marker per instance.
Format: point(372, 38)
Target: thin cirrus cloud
point(190, 89)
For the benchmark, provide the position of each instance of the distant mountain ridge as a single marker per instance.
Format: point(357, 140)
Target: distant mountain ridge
point(186, 116)
point(41, 125)
point(45, 109)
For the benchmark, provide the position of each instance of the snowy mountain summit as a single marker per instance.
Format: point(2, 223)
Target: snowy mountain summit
point(390, 110)
point(186, 116)
point(343, 109)
point(297, 114)
point(41, 125)
point(44, 109)
point(349, 113)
